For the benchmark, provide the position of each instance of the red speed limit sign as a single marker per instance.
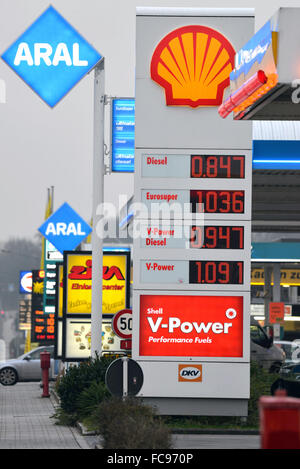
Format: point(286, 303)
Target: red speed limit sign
point(122, 324)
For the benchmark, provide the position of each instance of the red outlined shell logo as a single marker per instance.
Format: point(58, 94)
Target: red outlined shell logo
point(193, 64)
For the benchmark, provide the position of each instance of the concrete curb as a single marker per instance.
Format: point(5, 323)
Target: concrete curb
point(212, 431)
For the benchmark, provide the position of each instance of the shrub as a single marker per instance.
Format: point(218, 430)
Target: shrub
point(129, 424)
point(90, 398)
point(77, 379)
point(260, 385)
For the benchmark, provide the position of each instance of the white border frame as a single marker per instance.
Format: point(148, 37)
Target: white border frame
point(136, 327)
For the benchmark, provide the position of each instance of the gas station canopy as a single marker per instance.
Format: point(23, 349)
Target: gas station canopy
point(265, 83)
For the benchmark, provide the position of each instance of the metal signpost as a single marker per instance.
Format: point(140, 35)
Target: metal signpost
point(98, 199)
point(191, 301)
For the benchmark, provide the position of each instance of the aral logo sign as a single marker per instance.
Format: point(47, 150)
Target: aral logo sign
point(65, 229)
point(51, 56)
point(190, 373)
point(193, 64)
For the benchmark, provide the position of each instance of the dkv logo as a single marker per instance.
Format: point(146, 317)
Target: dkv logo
point(190, 373)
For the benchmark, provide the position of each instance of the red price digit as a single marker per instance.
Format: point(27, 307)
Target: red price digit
point(210, 272)
point(240, 229)
point(211, 235)
point(197, 166)
point(238, 202)
point(224, 270)
point(241, 159)
point(225, 199)
point(224, 233)
point(212, 167)
point(226, 165)
point(211, 204)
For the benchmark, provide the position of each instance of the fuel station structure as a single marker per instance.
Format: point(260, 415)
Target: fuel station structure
point(191, 294)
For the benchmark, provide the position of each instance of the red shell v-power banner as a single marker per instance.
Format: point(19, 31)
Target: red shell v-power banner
point(193, 326)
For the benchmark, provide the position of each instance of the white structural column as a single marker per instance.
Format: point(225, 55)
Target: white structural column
point(98, 195)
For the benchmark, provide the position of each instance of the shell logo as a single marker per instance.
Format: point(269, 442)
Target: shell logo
point(193, 64)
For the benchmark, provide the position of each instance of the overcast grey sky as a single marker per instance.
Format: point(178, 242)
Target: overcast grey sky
point(42, 147)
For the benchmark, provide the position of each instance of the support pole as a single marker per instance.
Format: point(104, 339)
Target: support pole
point(98, 196)
point(267, 295)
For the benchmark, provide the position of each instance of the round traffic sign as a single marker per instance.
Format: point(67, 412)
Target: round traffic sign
point(122, 324)
point(124, 377)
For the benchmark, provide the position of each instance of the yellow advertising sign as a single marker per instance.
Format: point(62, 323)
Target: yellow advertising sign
point(115, 288)
point(287, 277)
point(60, 291)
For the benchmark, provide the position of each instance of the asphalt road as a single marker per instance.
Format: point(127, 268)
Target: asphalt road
point(216, 441)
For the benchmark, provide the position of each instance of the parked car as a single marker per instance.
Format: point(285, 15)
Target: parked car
point(291, 350)
point(263, 349)
point(291, 371)
point(25, 368)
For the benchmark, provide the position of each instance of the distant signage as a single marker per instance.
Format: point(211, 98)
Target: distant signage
point(42, 325)
point(251, 56)
point(122, 135)
point(287, 277)
point(258, 54)
point(276, 313)
point(25, 281)
point(65, 229)
point(25, 314)
point(51, 56)
point(77, 340)
point(78, 282)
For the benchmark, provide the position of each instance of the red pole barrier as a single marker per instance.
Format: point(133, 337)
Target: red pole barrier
point(45, 365)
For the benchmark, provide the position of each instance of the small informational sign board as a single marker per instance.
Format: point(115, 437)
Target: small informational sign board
point(124, 377)
point(122, 135)
point(42, 324)
point(276, 313)
point(25, 313)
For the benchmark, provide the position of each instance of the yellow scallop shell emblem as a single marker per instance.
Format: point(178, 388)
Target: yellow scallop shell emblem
point(193, 64)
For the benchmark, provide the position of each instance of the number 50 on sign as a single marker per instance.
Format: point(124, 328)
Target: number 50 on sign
point(122, 324)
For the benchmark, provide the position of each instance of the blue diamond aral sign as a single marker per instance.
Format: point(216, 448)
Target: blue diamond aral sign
point(65, 229)
point(51, 56)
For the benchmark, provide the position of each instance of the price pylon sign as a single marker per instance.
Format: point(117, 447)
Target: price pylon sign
point(196, 249)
